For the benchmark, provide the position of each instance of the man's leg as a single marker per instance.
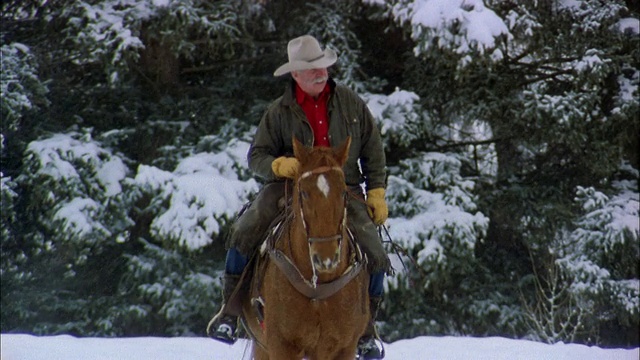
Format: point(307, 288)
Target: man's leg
point(368, 349)
point(246, 234)
point(223, 326)
point(366, 234)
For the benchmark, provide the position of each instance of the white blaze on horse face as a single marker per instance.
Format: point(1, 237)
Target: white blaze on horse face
point(323, 185)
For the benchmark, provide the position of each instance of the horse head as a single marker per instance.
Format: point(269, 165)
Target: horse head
point(320, 200)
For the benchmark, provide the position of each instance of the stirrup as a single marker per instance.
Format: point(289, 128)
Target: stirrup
point(225, 328)
point(368, 349)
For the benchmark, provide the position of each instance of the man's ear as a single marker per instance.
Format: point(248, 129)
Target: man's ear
point(341, 152)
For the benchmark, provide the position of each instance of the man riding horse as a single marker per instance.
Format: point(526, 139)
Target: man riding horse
point(319, 112)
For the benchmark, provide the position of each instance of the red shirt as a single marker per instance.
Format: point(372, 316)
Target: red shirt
point(316, 111)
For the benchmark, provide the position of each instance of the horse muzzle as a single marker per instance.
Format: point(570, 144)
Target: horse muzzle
point(325, 260)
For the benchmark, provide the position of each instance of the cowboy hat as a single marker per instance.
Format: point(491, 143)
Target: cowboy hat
point(305, 53)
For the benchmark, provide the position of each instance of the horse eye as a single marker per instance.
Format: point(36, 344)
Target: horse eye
point(304, 194)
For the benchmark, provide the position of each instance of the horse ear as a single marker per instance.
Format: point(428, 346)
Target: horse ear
point(341, 153)
point(299, 150)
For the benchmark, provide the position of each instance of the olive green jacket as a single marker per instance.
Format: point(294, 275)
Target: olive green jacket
point(348, 116)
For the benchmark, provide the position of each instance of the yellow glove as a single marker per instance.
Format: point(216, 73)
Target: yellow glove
point(376, 206)
point(286, 167)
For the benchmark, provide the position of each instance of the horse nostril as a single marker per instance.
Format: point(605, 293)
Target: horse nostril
point(325, 264)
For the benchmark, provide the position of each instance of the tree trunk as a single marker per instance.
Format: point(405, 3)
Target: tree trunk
point(158, 63)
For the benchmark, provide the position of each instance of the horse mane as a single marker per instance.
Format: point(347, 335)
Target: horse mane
point(320, 156)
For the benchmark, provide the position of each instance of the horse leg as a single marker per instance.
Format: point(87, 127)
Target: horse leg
point(283, 350)
point(348, 353)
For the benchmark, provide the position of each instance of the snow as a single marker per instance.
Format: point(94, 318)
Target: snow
point(464, 25)
point(631, 25)
point(590, 61)
point(77, 217)
point(16, 67)
point(627, 87)
point(203, 190)
point(568, 4)
point(29, 347)
point(626, 208)
point(161, 3)
point(392, 110)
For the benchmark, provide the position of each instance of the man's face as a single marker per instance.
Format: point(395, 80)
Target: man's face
point(311, 81)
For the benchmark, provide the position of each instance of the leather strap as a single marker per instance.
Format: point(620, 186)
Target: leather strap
point(321, 291)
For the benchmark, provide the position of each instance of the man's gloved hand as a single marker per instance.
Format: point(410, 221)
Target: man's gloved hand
point(376, 206)
point(286, 167)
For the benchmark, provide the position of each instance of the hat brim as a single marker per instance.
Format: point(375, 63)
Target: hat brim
point(329, 58)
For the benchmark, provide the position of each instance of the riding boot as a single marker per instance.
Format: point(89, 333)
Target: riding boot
point(368, 348)
point(224, 324)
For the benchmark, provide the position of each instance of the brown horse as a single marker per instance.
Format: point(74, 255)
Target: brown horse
point(314, 289)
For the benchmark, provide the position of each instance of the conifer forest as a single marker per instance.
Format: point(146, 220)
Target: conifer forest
point(510, 130)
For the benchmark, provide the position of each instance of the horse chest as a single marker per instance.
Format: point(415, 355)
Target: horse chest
point(298, 314)
point(307, 323)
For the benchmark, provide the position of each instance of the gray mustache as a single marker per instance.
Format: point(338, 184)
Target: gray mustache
point(319, 80)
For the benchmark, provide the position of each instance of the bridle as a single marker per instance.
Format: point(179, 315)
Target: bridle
point(315, 239)
point(311, 289)
point(338, 236)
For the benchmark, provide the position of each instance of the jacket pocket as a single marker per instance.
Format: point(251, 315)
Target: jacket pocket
point(354, 130)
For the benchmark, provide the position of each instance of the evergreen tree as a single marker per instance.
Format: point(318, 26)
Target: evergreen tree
point(126, 125)
point(541, 91)
point(74, 226)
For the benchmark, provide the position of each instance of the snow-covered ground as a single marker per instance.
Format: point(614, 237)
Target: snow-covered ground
point(29, 347)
